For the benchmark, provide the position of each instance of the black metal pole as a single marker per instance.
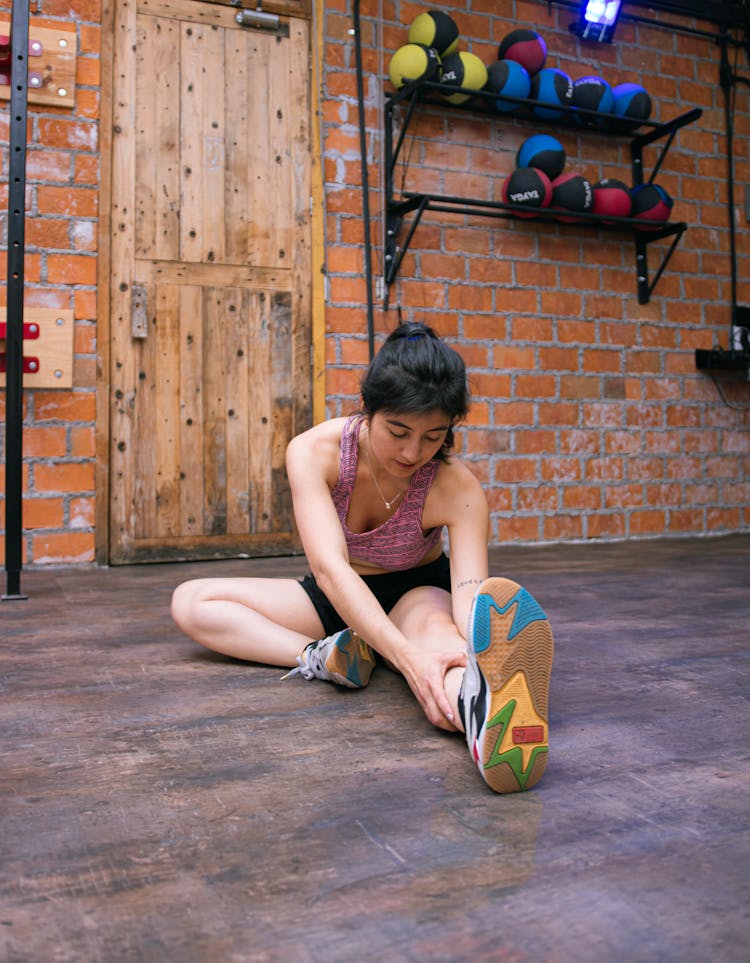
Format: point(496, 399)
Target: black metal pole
point(14, 319)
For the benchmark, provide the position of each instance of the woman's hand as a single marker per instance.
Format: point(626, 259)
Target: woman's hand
point(425, 672)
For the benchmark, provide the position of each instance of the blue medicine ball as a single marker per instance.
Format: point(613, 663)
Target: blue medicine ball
point(552, 87)
point(592, 93)
point(543, 152)
point(633, 103)
point(509, 78)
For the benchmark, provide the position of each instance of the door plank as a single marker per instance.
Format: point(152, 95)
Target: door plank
point(146, 53)
point(238, 147)
point(190, 350)
point(166, 411)
point(280, 322)
point(259, 158)
point(213, 129)
point(214, 414)
point(261, 415)
point(122, 357)
point(191, 140)
point(167, 208)
point(237, 410)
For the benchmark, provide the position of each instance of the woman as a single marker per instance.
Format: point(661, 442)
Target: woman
point(372, 495)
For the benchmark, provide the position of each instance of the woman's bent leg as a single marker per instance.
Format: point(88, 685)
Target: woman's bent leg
point(257, 619)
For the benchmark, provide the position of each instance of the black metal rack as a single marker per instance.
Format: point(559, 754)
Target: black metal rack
point(429, 93)
point(14, 326)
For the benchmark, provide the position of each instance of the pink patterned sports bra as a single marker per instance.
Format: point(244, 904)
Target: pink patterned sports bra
point(399, 543)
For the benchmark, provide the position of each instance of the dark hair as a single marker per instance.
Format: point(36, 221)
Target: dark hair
point(415, 371)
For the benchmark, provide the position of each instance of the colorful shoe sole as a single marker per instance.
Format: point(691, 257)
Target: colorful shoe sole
point(507, 686)
point(351, 660)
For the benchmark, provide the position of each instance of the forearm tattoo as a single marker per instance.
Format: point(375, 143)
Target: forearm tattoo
point(469, 581)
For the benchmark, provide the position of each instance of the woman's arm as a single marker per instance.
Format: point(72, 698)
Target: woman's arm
point(312, 468)
point(468, 534)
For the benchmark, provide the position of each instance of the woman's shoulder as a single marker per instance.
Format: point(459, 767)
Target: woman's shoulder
point(456, 486)
point(318, 448)
point(328, 431)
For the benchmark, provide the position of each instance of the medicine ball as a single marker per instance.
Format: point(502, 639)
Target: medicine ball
point(527, 187)
point(611, 196)
point(543, 152)
point(592, 93)
point(652, 203)
point(551, 87)
point(526, 47)
point(572, 192)
point(510, 78)
point(462, 70)
point(435, 29)
point(413, 62)
point(633, 103)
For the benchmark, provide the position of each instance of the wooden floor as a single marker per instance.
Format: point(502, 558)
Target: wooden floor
point(160, 803)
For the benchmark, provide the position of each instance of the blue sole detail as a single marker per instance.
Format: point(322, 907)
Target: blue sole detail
point(528, 610)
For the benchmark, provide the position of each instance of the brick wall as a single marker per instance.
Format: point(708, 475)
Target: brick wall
point(590, 419)
point(62, 200)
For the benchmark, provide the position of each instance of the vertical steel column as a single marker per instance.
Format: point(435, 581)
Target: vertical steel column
point(14, 329)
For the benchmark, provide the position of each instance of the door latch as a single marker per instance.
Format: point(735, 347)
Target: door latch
point(138, 311)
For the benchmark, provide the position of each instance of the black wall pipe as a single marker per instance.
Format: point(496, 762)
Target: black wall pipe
point(365, 179)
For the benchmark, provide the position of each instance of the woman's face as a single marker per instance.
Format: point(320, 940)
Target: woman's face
point(402, 443)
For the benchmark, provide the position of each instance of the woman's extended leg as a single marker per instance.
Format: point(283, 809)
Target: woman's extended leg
point(425, 616)
point(259, 619)
point(506, 683)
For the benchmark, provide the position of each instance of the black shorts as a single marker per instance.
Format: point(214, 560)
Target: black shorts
point(387, 589)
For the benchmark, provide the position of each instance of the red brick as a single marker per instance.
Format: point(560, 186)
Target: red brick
point(517, 529)
point(605, 526)
point(71, 269)
point(64, 477)
point(64, 406)
point(43, 513)
point(584, 498)
point(63, 547)
point(560, 527)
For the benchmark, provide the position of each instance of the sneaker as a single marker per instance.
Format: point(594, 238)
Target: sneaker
point(342, 657)
point(504, 693)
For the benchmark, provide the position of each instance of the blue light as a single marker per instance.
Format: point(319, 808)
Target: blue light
point(603, 12)
point(598, 19)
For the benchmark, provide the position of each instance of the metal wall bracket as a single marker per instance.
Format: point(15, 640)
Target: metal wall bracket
point(398, 208)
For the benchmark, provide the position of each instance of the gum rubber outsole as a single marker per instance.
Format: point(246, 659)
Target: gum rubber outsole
point(513, 646)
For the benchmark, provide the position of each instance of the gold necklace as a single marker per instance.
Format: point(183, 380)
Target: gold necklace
point(388, 504)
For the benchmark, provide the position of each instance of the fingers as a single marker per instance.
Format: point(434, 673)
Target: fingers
point(438, 708)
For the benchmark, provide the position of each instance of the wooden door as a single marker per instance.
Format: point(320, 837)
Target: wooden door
point(210, 290)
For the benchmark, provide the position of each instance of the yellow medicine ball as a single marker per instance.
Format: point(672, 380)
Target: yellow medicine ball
point(413, 62)
point(462, 70)
point(435, 29)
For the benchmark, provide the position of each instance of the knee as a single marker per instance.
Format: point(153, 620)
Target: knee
point(184, 600)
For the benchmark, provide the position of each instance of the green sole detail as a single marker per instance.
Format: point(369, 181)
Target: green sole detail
point(512, 757)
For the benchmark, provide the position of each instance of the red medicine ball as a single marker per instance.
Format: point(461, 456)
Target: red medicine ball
point(611, 197)
point(652, 203)
point(526, 47)
point(527, 187)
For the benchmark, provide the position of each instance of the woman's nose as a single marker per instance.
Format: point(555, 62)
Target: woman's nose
point(411, 450)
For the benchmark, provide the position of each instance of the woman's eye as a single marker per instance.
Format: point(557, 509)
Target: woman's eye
point(396, 435)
